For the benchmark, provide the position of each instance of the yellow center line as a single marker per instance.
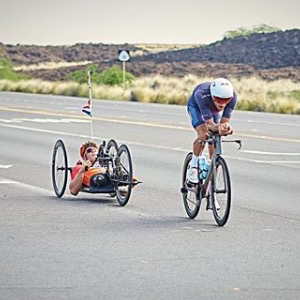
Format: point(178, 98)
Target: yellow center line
point(147, 124)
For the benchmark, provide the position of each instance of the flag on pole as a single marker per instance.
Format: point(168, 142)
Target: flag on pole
point(87, 108)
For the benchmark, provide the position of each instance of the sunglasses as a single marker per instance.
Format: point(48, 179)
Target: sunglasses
point(89, 150)
point(221, 100)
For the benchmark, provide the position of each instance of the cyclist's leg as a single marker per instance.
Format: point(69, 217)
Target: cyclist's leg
point(197, 123)
point(216, 118)
point(200, 127)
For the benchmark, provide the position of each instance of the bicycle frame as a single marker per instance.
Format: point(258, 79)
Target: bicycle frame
point(217, 141)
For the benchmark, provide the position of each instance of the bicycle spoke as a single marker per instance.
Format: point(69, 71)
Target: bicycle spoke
point(192, 201)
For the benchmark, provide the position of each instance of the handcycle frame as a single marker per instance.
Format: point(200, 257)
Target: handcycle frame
point(201, 189)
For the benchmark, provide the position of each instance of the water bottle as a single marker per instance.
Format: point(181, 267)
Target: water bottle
point(203, 166)
point(205, 169)
point(202, 163)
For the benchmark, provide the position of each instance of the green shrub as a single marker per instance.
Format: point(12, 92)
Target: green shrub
point(295, 95)
point(81, 76)
point(242, 31)
point(114, 76)
point(6, 70)
point(111, 76)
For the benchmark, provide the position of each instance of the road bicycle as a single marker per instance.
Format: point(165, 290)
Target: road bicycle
point(215, 188)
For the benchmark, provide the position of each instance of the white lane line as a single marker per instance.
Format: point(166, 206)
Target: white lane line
point(270, 153)
point(26, 186)
point(46, 192)
point(178, 149)
point(270, 138)
point(139, 123)
point(268, 122)
point(292, 162)
point(5, 166)
point(6, 181)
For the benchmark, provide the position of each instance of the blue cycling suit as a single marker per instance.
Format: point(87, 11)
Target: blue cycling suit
point(201, 107)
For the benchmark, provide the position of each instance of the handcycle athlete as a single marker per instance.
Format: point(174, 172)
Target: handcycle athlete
point(88, 172)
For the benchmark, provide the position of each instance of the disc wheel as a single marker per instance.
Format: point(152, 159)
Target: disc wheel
point(221, 192)
point(59, 168)
point(191, 200)
point(123, 174)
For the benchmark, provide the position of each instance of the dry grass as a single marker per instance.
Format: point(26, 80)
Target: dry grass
point(50, 65)
point(155, 48)
point(282, 96)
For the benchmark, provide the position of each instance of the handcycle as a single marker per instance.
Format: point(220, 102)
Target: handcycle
point(216, 187)
point(118, 168)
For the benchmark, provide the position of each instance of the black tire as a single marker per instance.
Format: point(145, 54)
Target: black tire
point(221, 192)
point(59, 168)
point(191, 200)
point(112, 148)
point(123, 173)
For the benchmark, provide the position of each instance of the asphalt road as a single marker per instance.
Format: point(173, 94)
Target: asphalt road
point(90, 247)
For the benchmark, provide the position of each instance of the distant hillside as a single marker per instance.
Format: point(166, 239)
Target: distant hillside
point(31, 54)
point(260, 50)
point(268, 55)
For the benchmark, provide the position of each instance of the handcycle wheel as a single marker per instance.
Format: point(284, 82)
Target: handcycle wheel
point(123, 175)
point(112, 148)
point(59, 168)
point(221, 192)
point(191, 200)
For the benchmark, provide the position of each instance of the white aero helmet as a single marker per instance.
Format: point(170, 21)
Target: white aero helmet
point(221, 88)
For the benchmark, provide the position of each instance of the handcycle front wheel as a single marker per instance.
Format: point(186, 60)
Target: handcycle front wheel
point(123, 174)
point(191, 199)
point(59, 168)
point(221, 192)
point(112, 148)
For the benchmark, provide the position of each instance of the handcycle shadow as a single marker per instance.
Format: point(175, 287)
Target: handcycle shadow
point(99, 200)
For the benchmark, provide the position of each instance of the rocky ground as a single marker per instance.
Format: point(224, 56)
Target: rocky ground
point(270, 56)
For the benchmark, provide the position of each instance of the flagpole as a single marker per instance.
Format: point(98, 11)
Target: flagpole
point(90, 101)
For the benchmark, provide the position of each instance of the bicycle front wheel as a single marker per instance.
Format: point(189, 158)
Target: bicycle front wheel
point(221, 192)
point(190, 199)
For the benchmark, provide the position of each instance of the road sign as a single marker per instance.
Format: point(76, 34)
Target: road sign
point(124, 55)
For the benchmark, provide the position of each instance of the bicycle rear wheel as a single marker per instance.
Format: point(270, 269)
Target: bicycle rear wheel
point(59, 168)
point(221, 192)
point(191, 199)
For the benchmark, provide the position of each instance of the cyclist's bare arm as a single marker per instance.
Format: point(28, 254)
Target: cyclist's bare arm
point(76, 183)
